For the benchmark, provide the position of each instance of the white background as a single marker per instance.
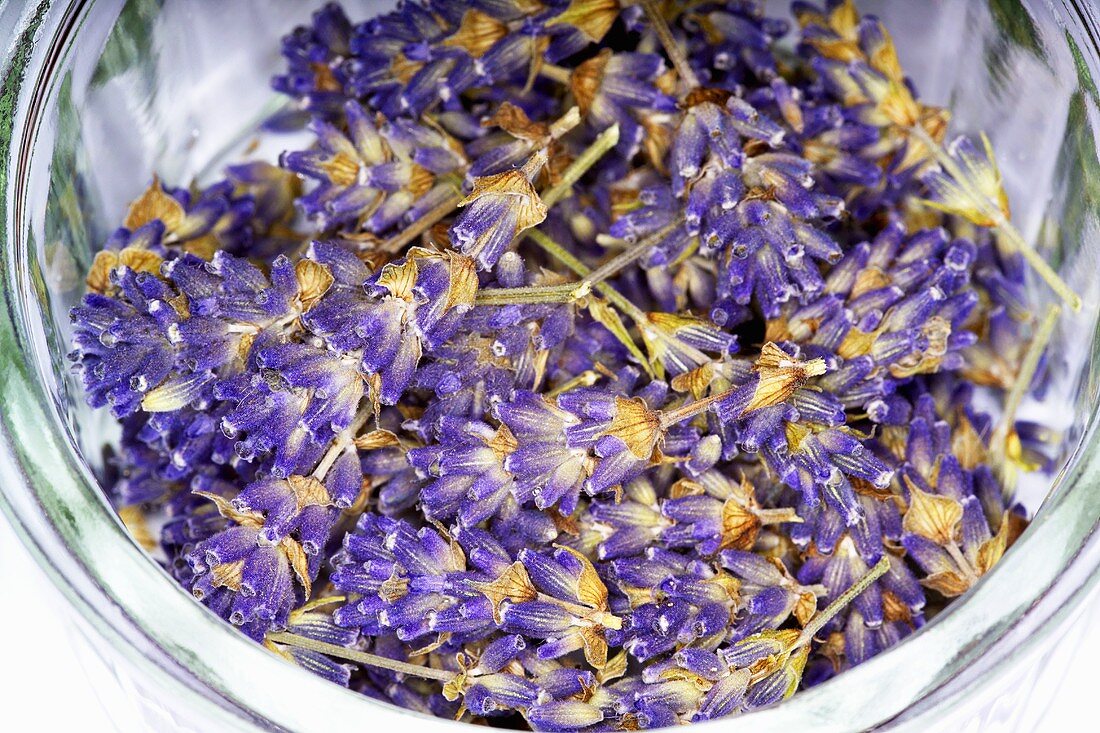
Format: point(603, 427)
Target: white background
point(44, 688)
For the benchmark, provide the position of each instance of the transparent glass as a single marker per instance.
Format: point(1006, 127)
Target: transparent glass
point(95, 95)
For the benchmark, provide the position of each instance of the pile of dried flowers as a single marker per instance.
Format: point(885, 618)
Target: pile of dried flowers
point(601, 364)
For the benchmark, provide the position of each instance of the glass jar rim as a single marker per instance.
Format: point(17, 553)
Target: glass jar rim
point(55, 504)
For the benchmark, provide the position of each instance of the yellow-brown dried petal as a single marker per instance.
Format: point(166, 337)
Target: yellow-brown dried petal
point(393, 588)
point(376, 439)
point(780, 376)
point(203, 247)
point(947, 583)
point(299, 562)
point(99, 275)
point(637, 426)
point(844, 20)
point(403, 68)
point(463, 285)
point(421, 180)
point(796, 433)
point(595, 646)
point(898, 105)
point(457, 560)
point(341, 169)
point(429, 648)
point(529, 208)
point(181, 305)
point(838, 49)
point(864, 487)
point(869, 279)
point(133, 518)
point(933, 517)
point(777, 329)
point(154, 204)
point(477, 33)
point(514, 585)
point(590, 588)
point(455, 688)
point(740, 526)
point(885, 58)
point(515, 122)
point(685, 487)
point(314, 280)
point(613, 669)
point(399, 279)
point(503, 442)
point(772, 357)
point(593, 18)
point(893, 610)
point(805, 607)
point(585, 80)
point(227, 575)
point(967, 445)
point(856, 343)
point(992, 550)
point(225, 508)
point(308, 491)
point(140, 260)
point(694, 382)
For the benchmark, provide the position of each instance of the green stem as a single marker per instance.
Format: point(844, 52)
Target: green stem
point(567, 258)
point(1038, 263)
point(344, 441)
point(818, 621)
point(555, 73)
point(527, 295)
point(370, 660)
point(613, 296)
point(691, 409)
point(672, 48)
point(421, 225)
point(628, 256)
point(606, 140)
point(584, 379)
point(1021, 386)
point(566, 122)
point(555, 250)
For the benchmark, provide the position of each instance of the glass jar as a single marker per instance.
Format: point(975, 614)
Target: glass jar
point(95, 95)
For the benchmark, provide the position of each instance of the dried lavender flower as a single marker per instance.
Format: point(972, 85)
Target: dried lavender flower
point(598, 366)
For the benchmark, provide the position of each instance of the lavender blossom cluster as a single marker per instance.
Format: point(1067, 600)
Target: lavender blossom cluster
point(600, 365)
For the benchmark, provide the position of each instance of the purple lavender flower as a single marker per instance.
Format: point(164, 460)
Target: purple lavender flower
point(262, 565)
point(468, 479)
point(421, 582)
point(374, 175)
point(544, 530)
point(317, 57)
point(158, 345)
point(591, 440)
point(674, 602)
point(497, 210)
point(388, 321)
point(622, 89)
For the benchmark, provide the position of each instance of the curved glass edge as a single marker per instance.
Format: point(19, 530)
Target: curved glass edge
point(1017, 667)
point(28, 448)
point(54, 503)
